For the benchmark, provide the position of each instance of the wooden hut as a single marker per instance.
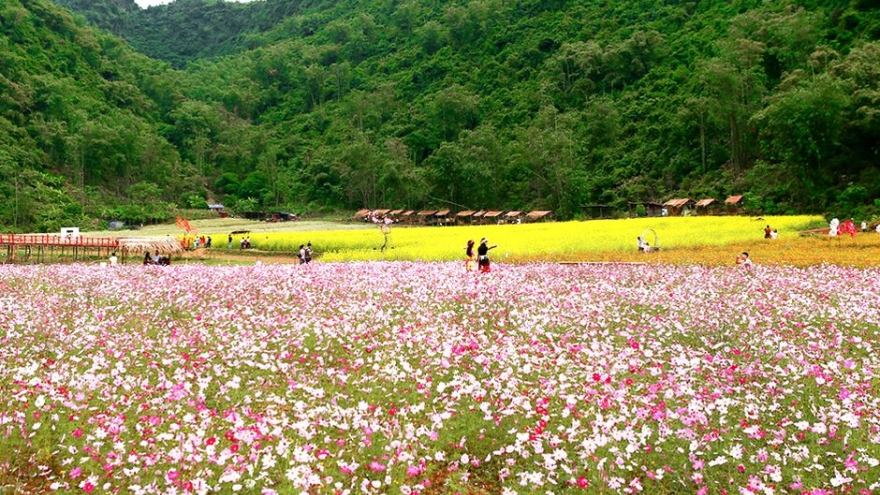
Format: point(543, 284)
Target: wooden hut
point(407, 217)
point(734, 205)
point(441, 217)
point(492, 216)
point(463, 217)
point(425, 217)
point(513, 217)
point(679, 206)
point(539, 216)
point(705, 206)
point(131, 248)
point(598, 211)
point(652, 209)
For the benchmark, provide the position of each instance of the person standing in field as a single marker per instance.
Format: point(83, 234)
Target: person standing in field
point(302, 254)
point(743, 260)
point(767, 232)
point(308, 253)
point(483, 255)
point(470, 263)
point(229, 242)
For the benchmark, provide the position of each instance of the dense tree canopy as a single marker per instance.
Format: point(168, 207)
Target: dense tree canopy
point(408, 103)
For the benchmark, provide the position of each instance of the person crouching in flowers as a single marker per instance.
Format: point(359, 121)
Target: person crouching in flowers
point(470, 263)
point(483, 254)
point(743, 260)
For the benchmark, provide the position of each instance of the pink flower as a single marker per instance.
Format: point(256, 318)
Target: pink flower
point(75, 472)
point(377, 466)
point(88, 487)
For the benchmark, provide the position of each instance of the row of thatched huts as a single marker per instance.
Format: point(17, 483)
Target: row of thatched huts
point(733, 205)
point(448, 217)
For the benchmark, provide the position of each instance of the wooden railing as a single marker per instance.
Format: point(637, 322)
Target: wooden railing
point(58, 240)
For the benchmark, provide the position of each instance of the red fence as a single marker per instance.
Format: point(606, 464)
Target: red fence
point(58, 240)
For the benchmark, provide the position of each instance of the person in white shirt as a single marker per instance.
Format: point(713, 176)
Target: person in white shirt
point(113, 259)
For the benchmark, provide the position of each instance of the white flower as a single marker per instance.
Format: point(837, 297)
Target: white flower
point(839, 479)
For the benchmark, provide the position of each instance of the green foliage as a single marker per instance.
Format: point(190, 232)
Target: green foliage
point(481, 103)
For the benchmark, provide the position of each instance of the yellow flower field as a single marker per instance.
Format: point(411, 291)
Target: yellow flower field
point(596, 240)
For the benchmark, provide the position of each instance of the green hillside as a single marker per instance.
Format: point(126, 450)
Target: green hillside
point(482, 104)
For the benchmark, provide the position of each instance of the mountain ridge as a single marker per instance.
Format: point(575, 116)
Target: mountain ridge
point(545, 105)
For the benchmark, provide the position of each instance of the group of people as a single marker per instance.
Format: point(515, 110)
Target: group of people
point(770, 233)
point(202, 241)
point(305, 253)
point(480, 258)
point(848, 227)
point(156, 259)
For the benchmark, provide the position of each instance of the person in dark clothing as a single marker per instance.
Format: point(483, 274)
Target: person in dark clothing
point(483, 254)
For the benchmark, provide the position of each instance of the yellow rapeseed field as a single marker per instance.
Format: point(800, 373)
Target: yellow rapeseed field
point(551, 241)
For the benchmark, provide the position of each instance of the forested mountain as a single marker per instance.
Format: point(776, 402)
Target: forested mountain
point(552, 104)
point(188, 30)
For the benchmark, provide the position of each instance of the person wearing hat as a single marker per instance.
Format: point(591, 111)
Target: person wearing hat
point(483, 254)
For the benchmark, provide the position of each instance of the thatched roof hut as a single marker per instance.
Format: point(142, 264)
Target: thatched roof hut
point(141, 245)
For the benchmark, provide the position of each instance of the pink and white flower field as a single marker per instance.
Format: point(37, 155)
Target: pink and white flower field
point(417, 378)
